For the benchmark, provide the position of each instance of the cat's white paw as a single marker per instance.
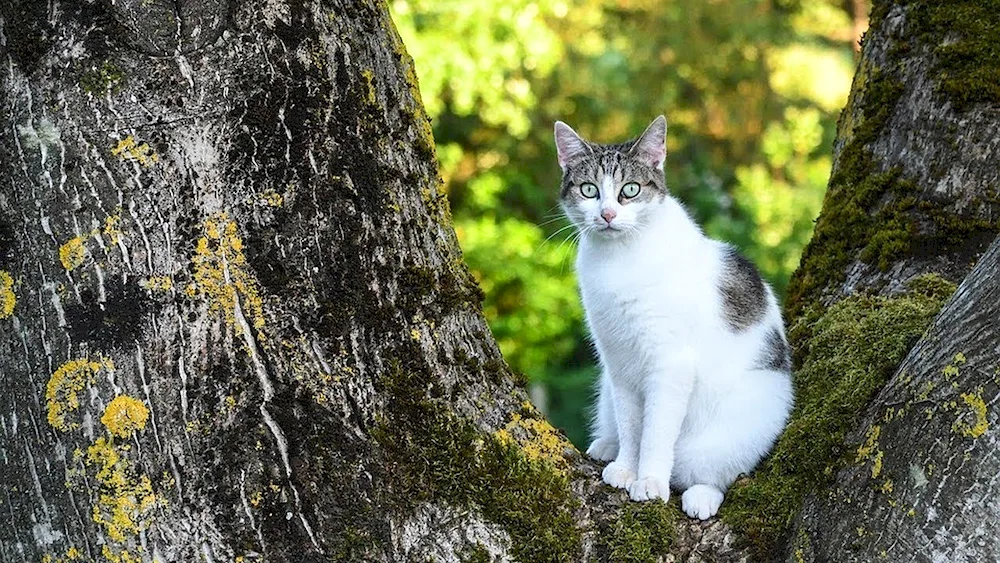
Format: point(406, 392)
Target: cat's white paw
point(617, 475)
point(604, 449)
point(701, 501)
point(648, 488)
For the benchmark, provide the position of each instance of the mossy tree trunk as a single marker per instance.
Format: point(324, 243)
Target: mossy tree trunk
point(234, 320)
point(921, 483)
point(897, 472)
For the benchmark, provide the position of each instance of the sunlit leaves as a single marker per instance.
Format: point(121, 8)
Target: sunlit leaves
point(531, 298)
point(479, 57)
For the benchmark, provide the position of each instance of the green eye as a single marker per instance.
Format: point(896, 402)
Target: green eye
point(588, 190)
point(630, 190)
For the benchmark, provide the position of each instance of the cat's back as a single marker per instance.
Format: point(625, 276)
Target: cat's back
point(744, 299)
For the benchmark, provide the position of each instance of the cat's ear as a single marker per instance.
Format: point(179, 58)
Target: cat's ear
point(569, 145)
point(650, 148)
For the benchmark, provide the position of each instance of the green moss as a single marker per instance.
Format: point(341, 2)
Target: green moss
point(643, 533)
point(353, 545)
point(442, 457)
point(952, 228)
point(878, 216)
point(476, 554)
point(965, 36)
point(369, 87)
point(103, 79)
point(449, 288)
point(865, 210)
point(851, 349)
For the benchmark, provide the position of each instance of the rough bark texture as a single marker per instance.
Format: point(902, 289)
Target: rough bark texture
point(923, 485)
point(914, 186)
point(913, 201)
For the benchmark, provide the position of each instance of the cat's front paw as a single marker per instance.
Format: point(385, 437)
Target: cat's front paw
point(604, 449)
point(701, 501)
point(648, 488)
point(617, 475)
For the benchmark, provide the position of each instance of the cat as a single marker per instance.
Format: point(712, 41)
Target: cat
point(696, 372)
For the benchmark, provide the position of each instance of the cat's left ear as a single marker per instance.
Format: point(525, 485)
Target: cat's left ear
point(651, 147)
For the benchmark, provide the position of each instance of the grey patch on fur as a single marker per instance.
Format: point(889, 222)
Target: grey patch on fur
point(744, 297)
point(777, 355)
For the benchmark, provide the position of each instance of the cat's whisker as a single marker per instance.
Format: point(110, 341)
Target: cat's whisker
point(575, 235)
point(551, 220)
point(548, 238)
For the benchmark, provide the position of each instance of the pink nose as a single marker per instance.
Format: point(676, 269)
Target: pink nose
point(609, 214)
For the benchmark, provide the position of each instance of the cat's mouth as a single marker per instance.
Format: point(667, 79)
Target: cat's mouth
point(609, 229)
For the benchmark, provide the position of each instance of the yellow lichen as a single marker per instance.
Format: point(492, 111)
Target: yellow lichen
point(158, 283)
point(63, 388)
point(537, 438)
point(877, 464)
point(222, 277)
point(7, 297)
point(976, 403)
point(124, 499)
point(112, 227)
point(887, 486)
point(870, 445)
point(124, 416)
point(271, 198)
point(128, 149)
point(72, 554)
point(72, 253)
point(121, 556)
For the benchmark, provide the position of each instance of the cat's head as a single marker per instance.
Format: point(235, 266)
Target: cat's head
point(611, 190)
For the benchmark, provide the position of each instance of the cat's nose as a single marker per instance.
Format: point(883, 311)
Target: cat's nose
point(609, 214)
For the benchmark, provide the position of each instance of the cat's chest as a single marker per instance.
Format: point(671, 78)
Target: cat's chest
point(624, 297)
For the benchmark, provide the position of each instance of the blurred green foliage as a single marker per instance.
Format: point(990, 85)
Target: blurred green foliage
point(751, 90)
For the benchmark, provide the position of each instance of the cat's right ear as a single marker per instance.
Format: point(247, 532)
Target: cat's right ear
point(569, 145)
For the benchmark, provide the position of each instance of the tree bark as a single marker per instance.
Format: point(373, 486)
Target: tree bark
point(229, 216)
point(924, 474)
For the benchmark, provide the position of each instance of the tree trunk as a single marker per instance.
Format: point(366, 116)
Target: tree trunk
point(914, 200)
point(924, 475)
point(235, 323)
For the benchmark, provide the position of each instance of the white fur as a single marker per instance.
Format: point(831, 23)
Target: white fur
point(679, 402)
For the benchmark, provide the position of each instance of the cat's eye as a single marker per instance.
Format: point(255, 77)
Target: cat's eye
point(630, 190)
point(588, 190)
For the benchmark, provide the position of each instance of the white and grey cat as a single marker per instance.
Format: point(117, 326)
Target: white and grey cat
point(696, 380)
